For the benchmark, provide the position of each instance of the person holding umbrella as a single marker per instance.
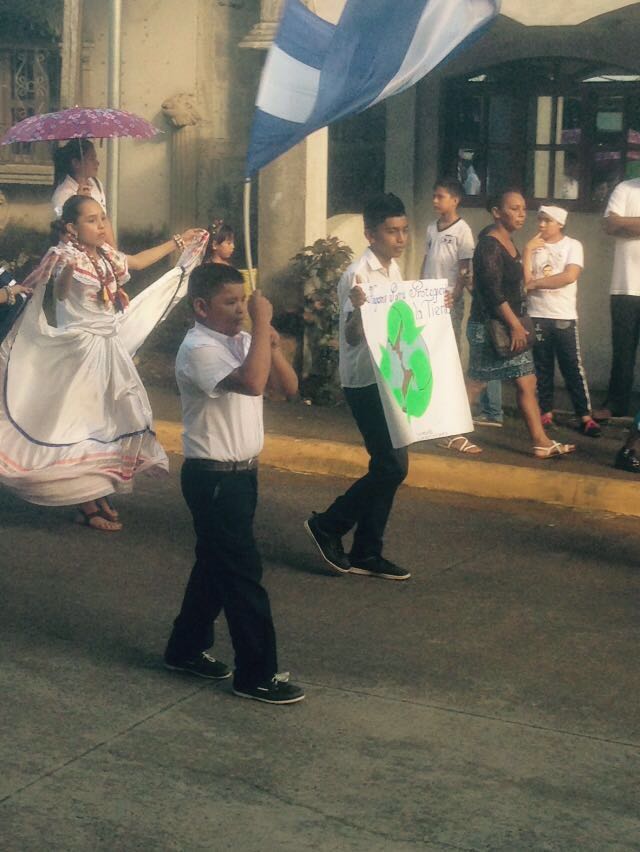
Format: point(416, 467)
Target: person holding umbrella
point(76, 163)
point(75, 172)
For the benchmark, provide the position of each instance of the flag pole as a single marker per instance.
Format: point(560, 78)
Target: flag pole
point(247, 232)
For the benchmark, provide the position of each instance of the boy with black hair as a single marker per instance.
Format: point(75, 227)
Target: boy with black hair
point(222, 372)
point(449, 249)
point(367, 503)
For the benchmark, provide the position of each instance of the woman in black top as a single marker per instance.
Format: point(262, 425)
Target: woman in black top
point(499, 293)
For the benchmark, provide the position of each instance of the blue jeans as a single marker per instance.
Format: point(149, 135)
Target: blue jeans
point(490, 402)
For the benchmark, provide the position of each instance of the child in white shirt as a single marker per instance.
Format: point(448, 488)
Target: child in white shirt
point(552, 265)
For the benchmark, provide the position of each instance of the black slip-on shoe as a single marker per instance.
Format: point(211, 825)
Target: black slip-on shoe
point(202, 666)
point(277, 691)
point(378, 566)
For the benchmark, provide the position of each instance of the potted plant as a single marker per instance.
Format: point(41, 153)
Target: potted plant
point(318, 269)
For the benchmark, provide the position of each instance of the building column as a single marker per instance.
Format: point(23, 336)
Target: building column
point(71, 53)
point(292, 206)
point(292, 191)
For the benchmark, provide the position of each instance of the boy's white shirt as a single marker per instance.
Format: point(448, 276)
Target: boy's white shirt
point(445, 249)
point(218, 424)
point(552, 259)
point(625, 278)
point(356, 367)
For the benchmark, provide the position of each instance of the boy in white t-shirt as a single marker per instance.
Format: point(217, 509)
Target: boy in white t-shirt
point(552, 265)
point(449, 247)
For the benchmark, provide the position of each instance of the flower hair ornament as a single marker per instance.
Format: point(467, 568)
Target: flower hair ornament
point(214, 228)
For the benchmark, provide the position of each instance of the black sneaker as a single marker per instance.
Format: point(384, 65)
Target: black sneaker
point(277, 691)
point(378, 566)
point(202, 666)
point(329, 545)
point(627, 460)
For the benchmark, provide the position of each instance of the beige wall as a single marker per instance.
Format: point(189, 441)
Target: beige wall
point(612, 38)
point(168, 47)
point(171, 47)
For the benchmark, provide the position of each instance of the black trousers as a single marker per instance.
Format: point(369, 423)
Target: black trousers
point(367, 504)
point(559, 339)
point(625, 333)
point(226, 576)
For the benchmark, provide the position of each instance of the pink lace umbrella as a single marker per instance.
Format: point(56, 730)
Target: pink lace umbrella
point(80, 123)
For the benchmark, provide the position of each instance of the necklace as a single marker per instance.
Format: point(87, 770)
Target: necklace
point(119, 298)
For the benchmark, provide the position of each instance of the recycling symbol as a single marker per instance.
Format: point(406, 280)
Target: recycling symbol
point(405, 364)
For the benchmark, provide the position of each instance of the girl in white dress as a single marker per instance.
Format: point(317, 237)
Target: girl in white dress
point(75, 420)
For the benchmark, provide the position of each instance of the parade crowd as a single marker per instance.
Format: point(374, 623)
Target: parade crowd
point(76, 423)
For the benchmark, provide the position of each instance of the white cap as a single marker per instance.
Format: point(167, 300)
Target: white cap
point(558, 214)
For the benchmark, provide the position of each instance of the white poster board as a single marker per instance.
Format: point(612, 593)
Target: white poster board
point(413, 347)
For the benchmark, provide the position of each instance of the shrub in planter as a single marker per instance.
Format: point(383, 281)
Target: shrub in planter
point(317, 269)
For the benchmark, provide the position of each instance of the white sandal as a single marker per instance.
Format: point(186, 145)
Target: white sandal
point(556, 449)
point(466, 446)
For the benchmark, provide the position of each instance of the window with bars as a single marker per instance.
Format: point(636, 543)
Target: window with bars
point(560, 129)
point(29, 85)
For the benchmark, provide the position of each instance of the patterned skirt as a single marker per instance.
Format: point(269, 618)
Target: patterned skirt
point(485, 364)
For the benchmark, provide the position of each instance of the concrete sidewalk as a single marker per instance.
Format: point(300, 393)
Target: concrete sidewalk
point(324, 440)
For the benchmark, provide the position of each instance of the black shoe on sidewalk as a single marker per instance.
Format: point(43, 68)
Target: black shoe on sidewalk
point(329, 545)
point(378, 566)
point(277, 691)
point(627, 460)
point(202, 666)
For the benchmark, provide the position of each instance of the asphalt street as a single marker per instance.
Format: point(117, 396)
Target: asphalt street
point(489, 703)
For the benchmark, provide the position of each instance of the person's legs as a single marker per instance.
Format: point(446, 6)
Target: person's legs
point(527, 401)
point(227, 575)
point(367, 503)
point(625, 331)
point(457, 316)
point(570, 363)
point(544, 360)
point(93, 514)
point(490, 402)
point(474, 389)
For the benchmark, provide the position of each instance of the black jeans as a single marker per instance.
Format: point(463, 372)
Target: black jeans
point(625, 333)
point(559, 339)
point(226, 575)
point(367, 504)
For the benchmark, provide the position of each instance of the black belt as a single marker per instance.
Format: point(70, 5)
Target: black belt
point(224, 466)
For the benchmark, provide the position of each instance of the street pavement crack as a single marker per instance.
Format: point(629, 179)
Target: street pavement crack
point(116, 736)
point(474, 715)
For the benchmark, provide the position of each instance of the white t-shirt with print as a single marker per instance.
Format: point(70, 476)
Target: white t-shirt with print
point(445, 249)
point(218, 424)
point(625, 278)
point(356, 367)
point(552, 259)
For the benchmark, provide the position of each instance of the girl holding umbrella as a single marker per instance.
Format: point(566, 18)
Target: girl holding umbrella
point(75, 172)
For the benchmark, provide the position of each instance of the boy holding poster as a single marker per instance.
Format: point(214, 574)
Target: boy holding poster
point(367, 503)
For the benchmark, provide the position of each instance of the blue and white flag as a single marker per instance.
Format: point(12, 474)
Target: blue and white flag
point(317, 72)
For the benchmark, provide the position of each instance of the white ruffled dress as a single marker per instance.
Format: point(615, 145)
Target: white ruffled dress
point(75, 419)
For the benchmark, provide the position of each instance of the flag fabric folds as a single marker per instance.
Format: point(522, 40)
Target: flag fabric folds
point(317, 72)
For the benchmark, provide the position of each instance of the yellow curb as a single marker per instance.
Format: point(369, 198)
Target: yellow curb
point(478, 479)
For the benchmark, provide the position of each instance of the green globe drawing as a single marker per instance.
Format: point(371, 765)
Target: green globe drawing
point(405, 364)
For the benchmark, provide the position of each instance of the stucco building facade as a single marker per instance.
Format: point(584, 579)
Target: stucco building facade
point(547, 99)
